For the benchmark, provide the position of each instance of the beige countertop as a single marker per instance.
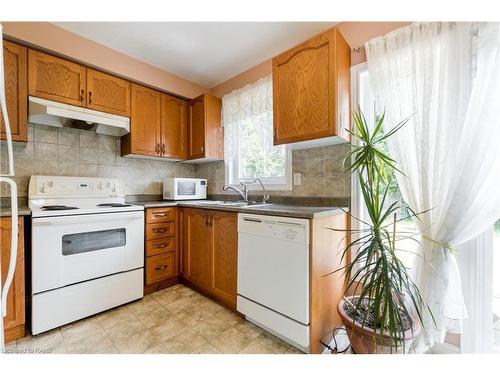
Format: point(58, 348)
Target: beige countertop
point(22, 207)
point(275, 209)
point(23, 210)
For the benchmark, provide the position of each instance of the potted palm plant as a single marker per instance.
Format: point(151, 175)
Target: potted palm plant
point(383, 314)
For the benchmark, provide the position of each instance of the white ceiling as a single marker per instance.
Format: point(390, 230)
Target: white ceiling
point(207, 53)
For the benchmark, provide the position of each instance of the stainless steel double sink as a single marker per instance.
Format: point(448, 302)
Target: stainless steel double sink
point(230, 203)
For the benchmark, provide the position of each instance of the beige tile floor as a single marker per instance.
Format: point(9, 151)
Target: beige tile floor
point(176, 320)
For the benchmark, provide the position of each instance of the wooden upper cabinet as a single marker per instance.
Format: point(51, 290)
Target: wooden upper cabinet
point(108, 93)
point(16, 90)
point(224, 256)
point(56, 79)
point(173, 127)
point(205, 132)
point(196, 247)
point(14, 321)
point(196, 142)
point(311, 90)
point(144, 137)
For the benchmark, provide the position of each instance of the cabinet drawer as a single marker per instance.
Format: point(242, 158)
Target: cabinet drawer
point(160, 267)
point(160, 215)
point(160, 246)
point(160, 230)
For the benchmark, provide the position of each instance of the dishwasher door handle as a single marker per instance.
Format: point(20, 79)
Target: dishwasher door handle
point(252, 220)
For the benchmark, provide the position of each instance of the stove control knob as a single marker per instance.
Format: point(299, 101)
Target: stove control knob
point(99, 185)
point(42, 189)
point(51, 183)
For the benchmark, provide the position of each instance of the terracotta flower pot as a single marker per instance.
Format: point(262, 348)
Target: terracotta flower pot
point(364, 340)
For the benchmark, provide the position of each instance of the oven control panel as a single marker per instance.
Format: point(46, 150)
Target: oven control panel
point(74, 187)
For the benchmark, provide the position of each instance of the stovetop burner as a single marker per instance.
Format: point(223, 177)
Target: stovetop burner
point(58, 208)
point(113, 205)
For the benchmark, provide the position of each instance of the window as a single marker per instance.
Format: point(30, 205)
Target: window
point(478, 259)
point(248, 139)
point(496, 288)
point(364, 99)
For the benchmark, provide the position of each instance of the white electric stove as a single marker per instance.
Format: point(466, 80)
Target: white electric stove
point(87, 248)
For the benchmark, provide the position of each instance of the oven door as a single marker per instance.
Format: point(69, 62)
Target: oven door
point(71, 249)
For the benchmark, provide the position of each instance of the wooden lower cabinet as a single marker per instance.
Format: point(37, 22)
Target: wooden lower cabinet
point(326, 286)
point(14, 322)
point(196, 247)
point(224, 256)
point(160, 267)
point(161, 251)
point(209, 252)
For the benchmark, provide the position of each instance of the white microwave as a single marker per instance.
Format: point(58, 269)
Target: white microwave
point(176, 189)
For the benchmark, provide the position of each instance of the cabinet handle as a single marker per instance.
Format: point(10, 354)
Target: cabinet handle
point(161, 215)
point(90, 97)
point(202, 149)
point(162, 246)
point(81, 96)
point(163, 149)
point(159, 230)
point(208, 219)
point(160, 268)
point(157, 148)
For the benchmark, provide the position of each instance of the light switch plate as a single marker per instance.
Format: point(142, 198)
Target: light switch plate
point(297, 177)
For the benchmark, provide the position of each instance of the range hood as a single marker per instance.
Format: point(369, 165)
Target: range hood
point(48, 112)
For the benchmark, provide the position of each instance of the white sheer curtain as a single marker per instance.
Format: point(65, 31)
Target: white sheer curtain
point(446, 76)
point(247, 116)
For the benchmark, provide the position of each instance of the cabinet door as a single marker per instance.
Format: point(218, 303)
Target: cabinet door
point(214, 135)
point(108, 93)
point(56, 79)
point(196, 247)
point(160, 267)
point(196, 141)
point(173, 127)
point(16, 90)
point(305, 89)
point(145, 121)
point(15, 319)
point(224, 256)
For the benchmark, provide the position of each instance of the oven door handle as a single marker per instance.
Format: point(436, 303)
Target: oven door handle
point(78, 220)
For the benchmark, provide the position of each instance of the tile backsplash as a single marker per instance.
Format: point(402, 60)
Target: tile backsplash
point(69, 152)
point(320, 168)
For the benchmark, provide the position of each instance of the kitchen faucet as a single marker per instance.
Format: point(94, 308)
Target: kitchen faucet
point(265, 196)
point(243, 194)
point(244, 191)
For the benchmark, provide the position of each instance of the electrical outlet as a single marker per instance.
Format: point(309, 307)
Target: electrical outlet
point(297, 179)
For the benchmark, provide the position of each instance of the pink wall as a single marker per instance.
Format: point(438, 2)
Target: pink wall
point(46, 36)
point(355, 33)
point(242, 79)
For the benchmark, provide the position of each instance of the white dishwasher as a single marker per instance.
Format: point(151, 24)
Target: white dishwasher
point(273, 275)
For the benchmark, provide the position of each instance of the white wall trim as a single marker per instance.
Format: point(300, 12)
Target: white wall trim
point(476, 268)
